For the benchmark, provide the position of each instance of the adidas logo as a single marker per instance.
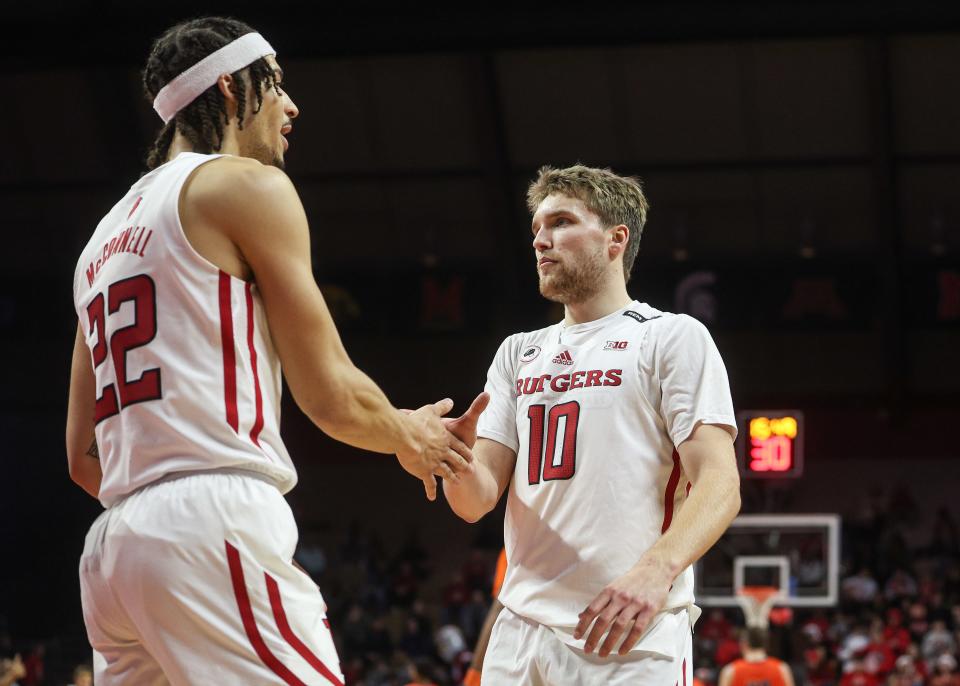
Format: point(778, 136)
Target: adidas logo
point(563, 358)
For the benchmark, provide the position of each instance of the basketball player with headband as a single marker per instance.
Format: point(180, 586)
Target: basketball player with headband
point(192, 292)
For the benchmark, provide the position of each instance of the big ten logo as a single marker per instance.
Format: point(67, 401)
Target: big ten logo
point(616, 345)
point(771, 443)
point(694, 296)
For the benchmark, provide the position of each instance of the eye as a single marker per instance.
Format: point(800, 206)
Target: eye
point(561, 221)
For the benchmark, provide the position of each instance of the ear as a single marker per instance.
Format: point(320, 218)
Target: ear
point(619, 236)
point(225, 84)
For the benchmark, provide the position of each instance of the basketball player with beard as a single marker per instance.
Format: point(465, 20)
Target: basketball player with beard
point(614, 429)
point(192, 292)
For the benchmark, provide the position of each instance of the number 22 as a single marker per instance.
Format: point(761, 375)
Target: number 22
point(141, 290)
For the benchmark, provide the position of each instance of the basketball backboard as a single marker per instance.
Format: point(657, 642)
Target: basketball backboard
point(797, 553)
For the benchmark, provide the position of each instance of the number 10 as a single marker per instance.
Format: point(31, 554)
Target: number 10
point(568, 452)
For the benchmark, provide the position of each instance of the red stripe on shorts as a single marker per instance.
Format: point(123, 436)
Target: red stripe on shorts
point(229, 354)
point(671, 492)
point(281, 617)
point(258, 423)
point(250, 624)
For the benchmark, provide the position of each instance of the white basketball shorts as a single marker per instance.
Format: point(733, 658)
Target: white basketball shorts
point(528, 653)
point(190, 581)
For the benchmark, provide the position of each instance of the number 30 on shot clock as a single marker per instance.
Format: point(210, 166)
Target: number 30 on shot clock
point(770, 444)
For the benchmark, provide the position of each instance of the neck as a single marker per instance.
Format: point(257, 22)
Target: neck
point(754, 655)
point(607, 300)
point(228, 146)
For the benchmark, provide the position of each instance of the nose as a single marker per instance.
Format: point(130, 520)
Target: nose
point(541, 240)
point(290, 107)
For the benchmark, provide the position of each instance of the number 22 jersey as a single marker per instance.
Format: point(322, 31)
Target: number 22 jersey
point(594, 412)
point(187, 376)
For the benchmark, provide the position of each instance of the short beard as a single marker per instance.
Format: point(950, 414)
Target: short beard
point(265, 155)
point(575, 284)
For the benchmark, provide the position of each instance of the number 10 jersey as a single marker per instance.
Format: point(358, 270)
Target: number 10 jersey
point(187, 376)
point(594, 412)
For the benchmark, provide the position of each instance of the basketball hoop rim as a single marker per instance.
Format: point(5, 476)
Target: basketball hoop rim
point(761, 594)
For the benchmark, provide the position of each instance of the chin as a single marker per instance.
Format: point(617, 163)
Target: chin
point(548, 291)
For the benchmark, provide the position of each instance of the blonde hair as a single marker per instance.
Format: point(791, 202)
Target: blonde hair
point(614, 199)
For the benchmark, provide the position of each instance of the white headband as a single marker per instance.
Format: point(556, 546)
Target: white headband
point(230, 58)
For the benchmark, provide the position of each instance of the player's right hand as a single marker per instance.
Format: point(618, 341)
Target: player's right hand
point(438, 452)
point(464, 427)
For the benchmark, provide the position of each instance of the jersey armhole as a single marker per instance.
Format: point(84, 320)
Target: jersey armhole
point(182, 234)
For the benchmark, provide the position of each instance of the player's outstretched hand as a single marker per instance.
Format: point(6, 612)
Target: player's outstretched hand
point(464, 427)
point(441, 453)
point(624, 608)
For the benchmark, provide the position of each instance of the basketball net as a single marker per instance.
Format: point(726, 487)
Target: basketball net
point(756, 603)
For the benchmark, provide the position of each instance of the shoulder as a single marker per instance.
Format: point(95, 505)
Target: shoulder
point(726, 674)
point(643, 317)
point(670, 329)
point(226, 184)
point(240, 196)
point(658, 326)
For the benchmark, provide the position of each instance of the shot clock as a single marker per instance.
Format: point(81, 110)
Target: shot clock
point(770, 444)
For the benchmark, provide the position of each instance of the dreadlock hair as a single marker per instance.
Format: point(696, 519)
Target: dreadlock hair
point(203, 120)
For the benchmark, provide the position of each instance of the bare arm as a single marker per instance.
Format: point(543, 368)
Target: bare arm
point(258, 209)
point(83, 458)
point(709, 462)
point(787, 674)
point(726, 676)
point(480, 487)
point(627, 605)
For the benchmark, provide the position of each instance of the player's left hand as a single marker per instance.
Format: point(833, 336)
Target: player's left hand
point(625, 607)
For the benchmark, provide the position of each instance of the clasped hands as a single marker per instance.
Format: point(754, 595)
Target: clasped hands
point(443, 445)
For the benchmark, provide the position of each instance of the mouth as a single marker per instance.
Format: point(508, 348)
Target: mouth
point(545, 262)
point(284, 132)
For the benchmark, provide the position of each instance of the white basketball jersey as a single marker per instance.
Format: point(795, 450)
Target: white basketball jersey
point(594, 412)
point(187, 375)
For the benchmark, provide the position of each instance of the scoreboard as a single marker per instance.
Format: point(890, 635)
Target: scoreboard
point(770, 444)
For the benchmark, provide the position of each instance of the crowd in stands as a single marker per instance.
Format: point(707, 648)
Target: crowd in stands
point(395, 620)
point(898, 621)
point(398, 620)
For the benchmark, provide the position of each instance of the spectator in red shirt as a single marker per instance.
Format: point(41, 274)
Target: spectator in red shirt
point(821, 668)
point(878, 658)
point(896, 636)
point(857, 675)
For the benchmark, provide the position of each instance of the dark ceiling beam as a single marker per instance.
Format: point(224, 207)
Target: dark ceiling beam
point(41, 36)
point(890, 240)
